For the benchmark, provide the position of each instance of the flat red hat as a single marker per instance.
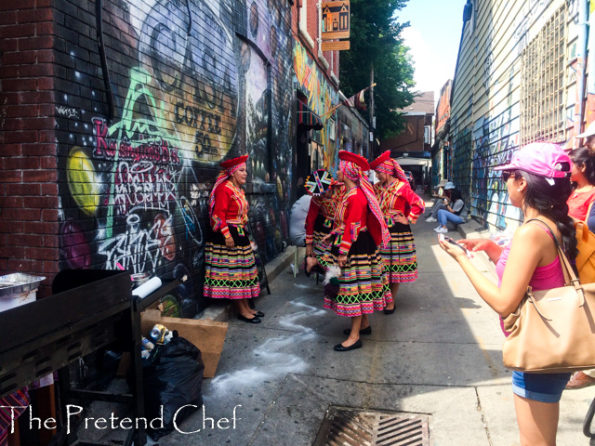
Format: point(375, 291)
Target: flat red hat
point(228, 164)
point(354, 158)
point(381, 159)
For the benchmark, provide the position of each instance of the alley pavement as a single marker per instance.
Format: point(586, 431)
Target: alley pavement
point(438, 355)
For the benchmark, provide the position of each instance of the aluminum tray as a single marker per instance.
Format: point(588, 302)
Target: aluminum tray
point(18, 282)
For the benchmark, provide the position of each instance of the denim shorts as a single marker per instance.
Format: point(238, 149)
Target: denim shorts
point(544, 387)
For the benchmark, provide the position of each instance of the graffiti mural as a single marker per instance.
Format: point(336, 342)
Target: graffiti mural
point(188, 93)
point(319, 93)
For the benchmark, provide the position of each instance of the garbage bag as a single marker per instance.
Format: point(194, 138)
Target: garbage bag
point(172, 378)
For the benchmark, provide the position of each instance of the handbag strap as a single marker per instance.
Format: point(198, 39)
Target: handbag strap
point(569, 274)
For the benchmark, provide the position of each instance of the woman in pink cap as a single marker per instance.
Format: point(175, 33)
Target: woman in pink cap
point(538, 182)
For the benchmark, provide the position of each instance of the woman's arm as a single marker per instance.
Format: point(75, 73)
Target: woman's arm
point(313, 211)
point(219, 216)
point(416, 205)
point(491, 248)
point(525, 254)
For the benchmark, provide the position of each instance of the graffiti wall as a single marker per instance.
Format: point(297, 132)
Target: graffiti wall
point(493, 110)
point(192, 82)
point(321, 96)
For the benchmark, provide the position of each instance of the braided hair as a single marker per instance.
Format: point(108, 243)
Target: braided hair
point(548, 197)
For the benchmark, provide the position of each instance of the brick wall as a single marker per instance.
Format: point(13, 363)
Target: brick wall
point(28, 190)
point(192, 83)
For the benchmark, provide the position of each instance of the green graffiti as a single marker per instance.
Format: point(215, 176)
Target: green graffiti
point(135, 129)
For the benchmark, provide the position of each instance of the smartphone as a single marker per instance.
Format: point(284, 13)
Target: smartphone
point(445, 238)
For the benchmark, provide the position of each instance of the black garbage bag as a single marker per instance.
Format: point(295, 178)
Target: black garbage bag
point(172, 378)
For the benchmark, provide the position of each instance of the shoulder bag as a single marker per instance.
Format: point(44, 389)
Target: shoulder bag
point(553, 331)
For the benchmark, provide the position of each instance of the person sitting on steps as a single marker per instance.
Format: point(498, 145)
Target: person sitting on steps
point(454, 211)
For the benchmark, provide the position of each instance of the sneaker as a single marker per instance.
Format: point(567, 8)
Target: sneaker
point(431, 220)
point(441, 230)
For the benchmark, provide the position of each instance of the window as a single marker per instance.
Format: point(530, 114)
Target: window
point(543, 89)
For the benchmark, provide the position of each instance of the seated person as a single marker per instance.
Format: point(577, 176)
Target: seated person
point(297, 220)
point(441, 202)
point(454, 211)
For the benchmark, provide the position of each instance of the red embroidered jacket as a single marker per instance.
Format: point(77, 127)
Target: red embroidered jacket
point(353, 216)
point(231, 207)
point(399, 198)
point(325, 205)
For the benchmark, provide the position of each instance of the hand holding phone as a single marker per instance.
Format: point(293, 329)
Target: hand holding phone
point(445, 238)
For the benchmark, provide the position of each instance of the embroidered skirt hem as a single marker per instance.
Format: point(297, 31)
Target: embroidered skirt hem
point(400, 256)
point(230, 273)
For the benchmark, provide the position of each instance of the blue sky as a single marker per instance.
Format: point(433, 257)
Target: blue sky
point(433, 39)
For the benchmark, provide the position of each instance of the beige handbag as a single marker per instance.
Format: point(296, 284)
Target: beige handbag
point(553, 331)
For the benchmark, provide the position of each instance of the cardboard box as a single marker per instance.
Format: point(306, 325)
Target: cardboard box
point(207, 335)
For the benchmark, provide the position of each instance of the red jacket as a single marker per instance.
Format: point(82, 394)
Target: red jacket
point(399, 198)
point(231, 207)
point(353, 215)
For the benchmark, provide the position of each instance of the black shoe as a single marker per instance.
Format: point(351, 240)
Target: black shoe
point(254, 320)
point(340, 348)
point(259, 314)
point(367, 330)
point(385, 311)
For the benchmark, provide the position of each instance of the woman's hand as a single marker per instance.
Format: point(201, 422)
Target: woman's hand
point(455, 252)
point(229, 242)
point(309, 250)
point(491, 248)
point(400, 218)
point(342, 259)
point(476, 244)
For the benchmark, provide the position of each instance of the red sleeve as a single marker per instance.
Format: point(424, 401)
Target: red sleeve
point(311, 219)
point(416, 204)
point(218, 218)
point(352, 221)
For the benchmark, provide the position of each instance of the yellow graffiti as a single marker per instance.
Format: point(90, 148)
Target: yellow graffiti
point(82, 181)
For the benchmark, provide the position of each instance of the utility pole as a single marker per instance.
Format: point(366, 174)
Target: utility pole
point(372, 153)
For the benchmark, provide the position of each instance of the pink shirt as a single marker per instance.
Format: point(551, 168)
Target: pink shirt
point(544, 277)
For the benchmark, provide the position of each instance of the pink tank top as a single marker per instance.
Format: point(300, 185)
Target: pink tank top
point(544, 277)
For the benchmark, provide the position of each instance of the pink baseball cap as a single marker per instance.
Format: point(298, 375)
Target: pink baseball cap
point(540, 158)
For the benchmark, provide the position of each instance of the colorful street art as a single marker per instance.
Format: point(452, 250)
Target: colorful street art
point(320, 96)
point(190, 93)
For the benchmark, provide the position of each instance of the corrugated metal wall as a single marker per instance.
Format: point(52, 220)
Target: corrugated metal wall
point(496, 104)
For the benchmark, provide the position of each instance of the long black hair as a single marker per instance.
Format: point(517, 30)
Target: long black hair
point(550, 200)
point(583, 156)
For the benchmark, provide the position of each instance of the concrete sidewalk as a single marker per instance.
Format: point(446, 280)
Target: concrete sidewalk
point(438, 355)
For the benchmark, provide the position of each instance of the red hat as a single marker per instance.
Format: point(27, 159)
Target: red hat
point(381, 159)
point(354, 158)
point(228, 164)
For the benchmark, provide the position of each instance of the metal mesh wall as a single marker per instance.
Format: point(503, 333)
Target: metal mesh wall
point(543, 90)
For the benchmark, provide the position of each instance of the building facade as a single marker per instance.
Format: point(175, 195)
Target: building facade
point(317, 87)
point(441, 161)
point(521, 77)
point(115, 116)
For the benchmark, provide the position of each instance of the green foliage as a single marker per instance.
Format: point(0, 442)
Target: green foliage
point(375, 41)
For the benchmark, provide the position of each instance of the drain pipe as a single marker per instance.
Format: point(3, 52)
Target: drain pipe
point(104, 70)
point(582, 48)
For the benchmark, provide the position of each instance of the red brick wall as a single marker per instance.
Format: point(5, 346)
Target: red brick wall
point(28, 186)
